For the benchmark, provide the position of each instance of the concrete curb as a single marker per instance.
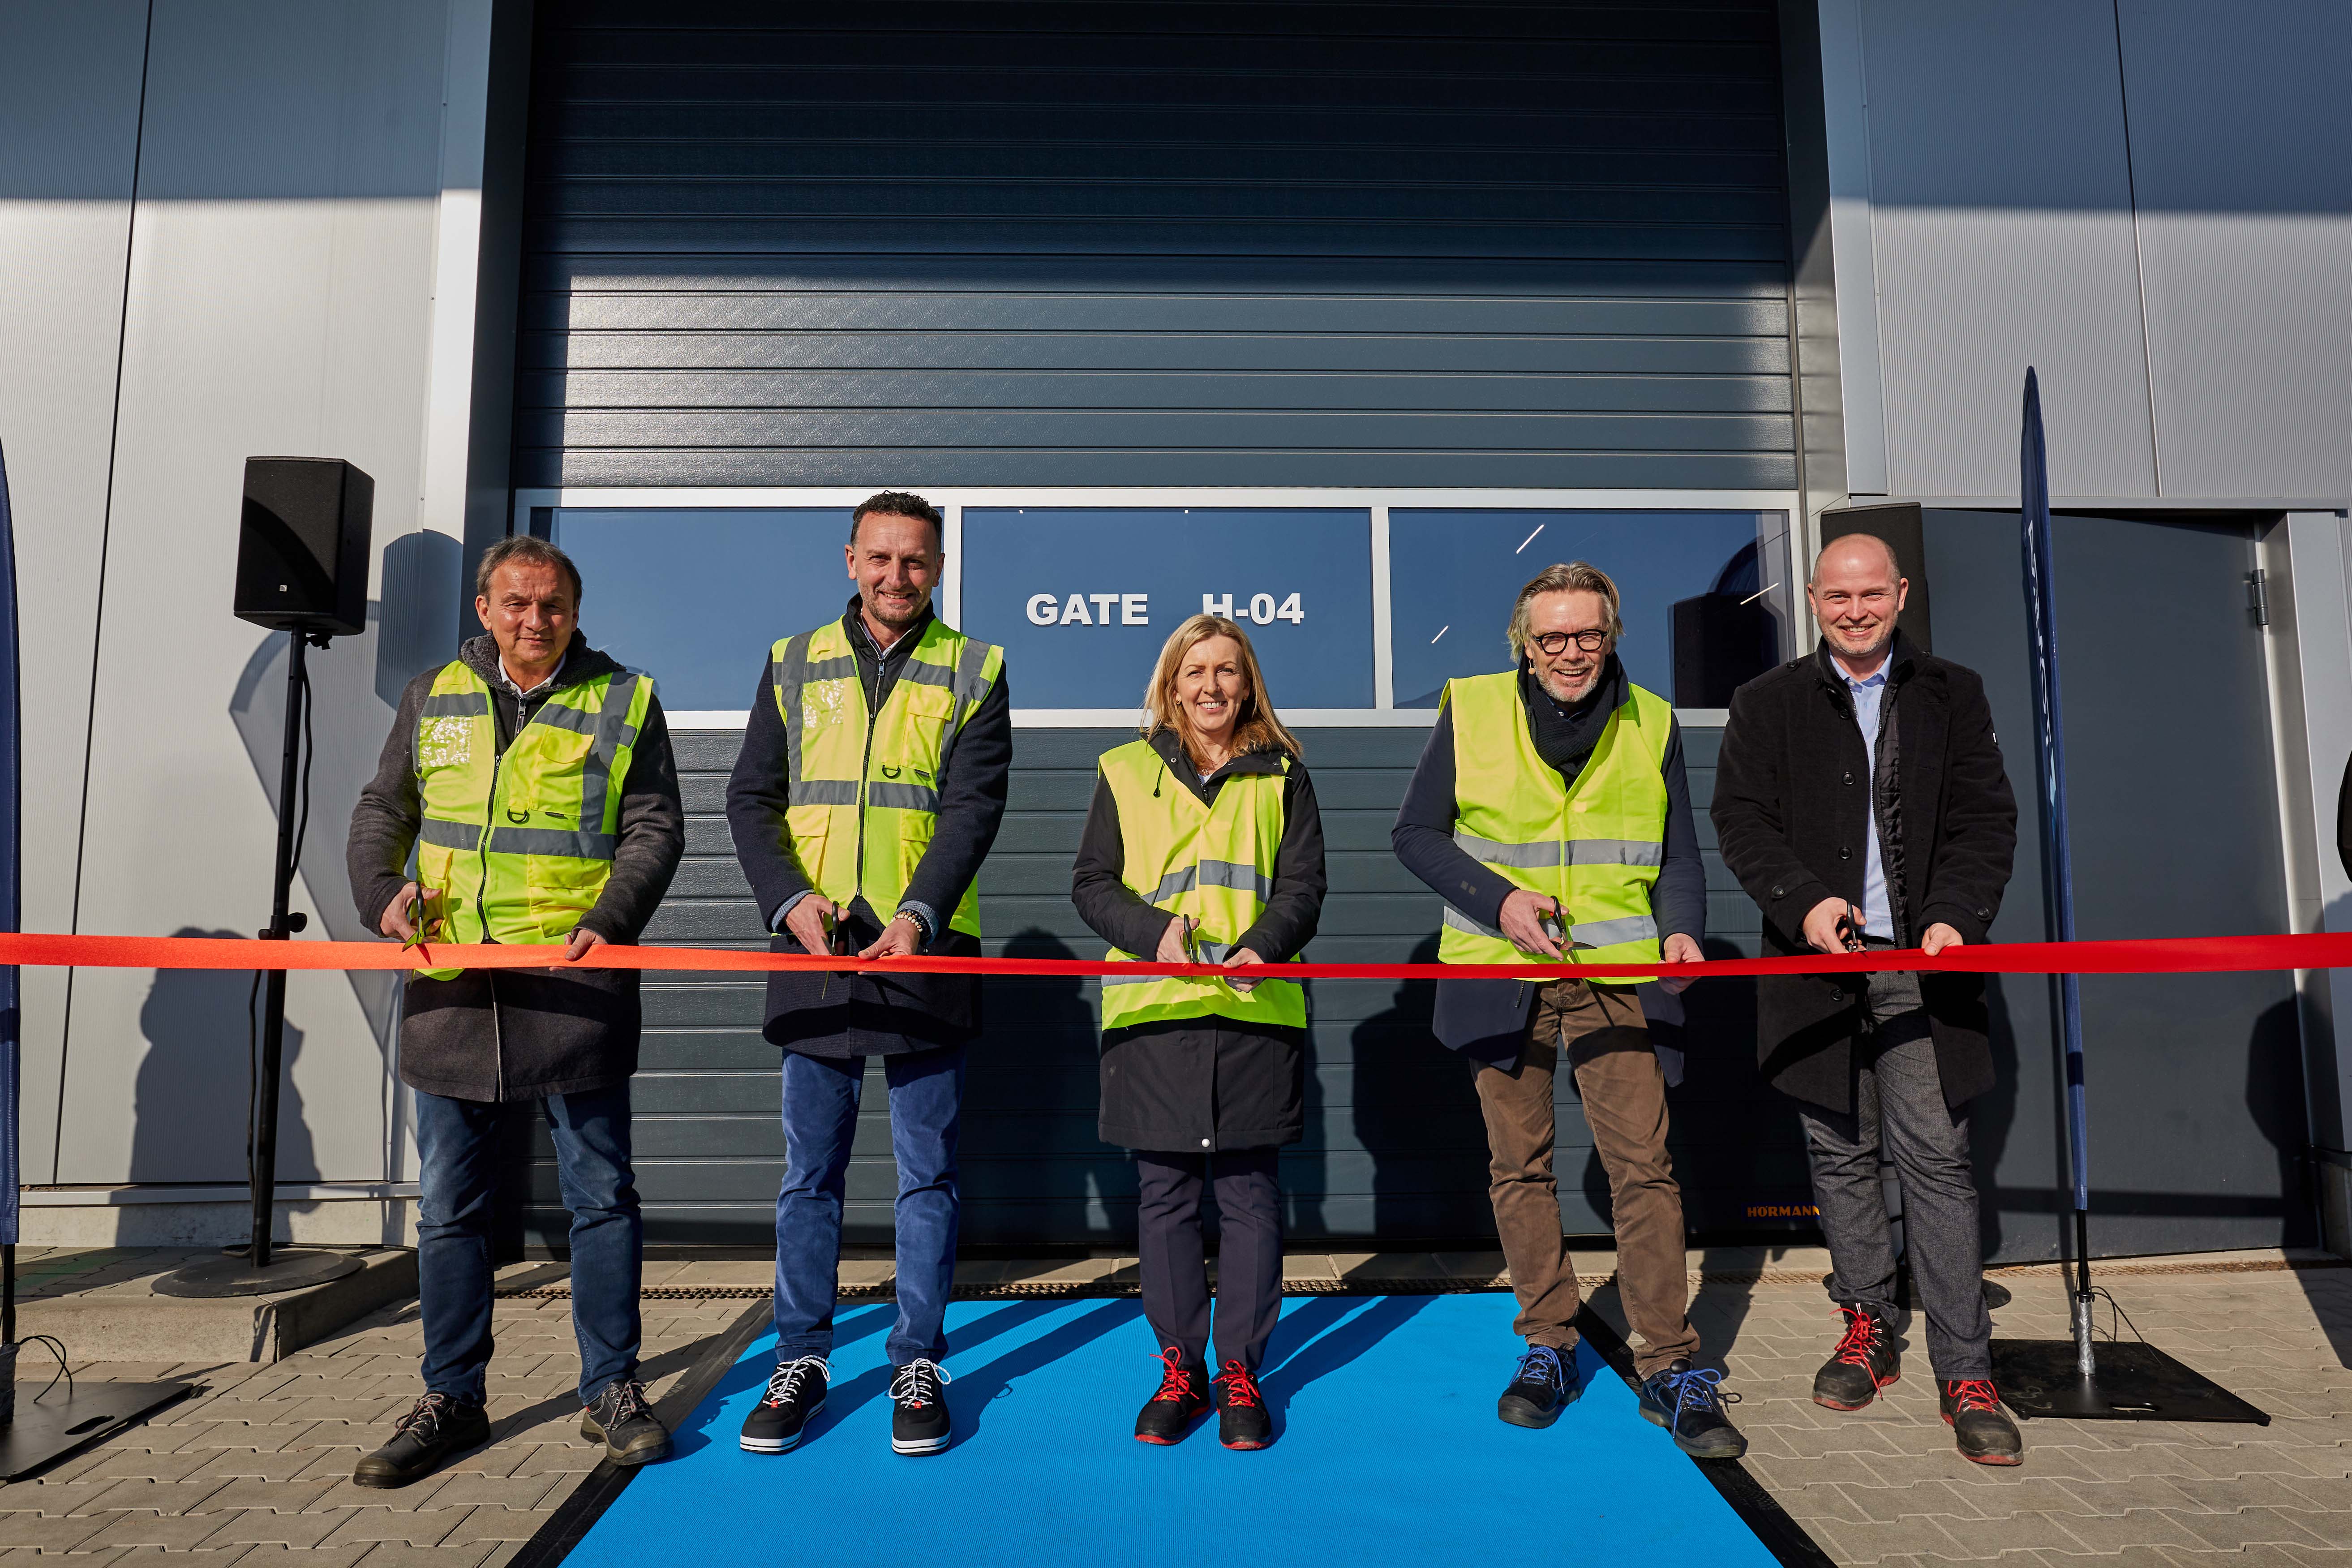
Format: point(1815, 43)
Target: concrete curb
point(128, 1321)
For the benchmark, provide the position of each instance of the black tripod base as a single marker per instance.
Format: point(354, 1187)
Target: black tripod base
point(47, 1430)
point(2134, 1382)
point(288, 1268)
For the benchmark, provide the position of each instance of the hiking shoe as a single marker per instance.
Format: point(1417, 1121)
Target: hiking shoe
point(436, 1428)
point(1242, 1420)
point(1183, 1398)
point(1864, 1362)
point(795, 1392)
point(620, 1418)
point(1546, 1384)
point(1687, 1403)
point(1973, 1410)
point(918, 1419)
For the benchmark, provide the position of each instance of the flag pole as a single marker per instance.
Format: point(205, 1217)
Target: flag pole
point(2058, 871)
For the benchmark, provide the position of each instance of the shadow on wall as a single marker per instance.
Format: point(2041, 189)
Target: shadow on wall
point(1416, 1113)
point(1037, 1033)
point(355, 687)
point(200, 1037)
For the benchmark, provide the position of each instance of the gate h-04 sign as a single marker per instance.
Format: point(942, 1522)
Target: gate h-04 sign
point(1081, 598)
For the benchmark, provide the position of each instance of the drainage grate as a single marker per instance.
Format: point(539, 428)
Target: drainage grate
point(1426, 1285)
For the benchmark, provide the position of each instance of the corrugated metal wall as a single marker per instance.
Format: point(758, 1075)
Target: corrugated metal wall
point(1162, 244)
point(1182, 245)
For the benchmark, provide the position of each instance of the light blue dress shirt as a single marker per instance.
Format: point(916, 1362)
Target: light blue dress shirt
point(1877, 913)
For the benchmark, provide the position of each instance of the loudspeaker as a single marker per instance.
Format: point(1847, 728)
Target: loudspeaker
point(302, 545)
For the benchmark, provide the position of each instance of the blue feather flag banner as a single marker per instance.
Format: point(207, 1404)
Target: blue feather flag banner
point(11, 865)
point(2049, 763)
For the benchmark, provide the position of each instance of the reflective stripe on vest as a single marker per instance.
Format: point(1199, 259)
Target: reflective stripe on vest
point(517, 847)
point(1214, 863)
point(865, 790)
point(1596, 848)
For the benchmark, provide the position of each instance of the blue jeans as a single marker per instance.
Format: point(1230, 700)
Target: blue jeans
point(820, 1119)
point(458, 1140)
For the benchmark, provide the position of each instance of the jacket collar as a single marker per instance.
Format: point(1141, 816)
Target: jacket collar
point(1902, 664)
point(1171, 750)
point(581, 664)
point(852, 621)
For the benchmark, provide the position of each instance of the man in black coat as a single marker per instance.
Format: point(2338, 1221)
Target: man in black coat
point(1860, 799)
point(474, 1045)
point(828, 1023)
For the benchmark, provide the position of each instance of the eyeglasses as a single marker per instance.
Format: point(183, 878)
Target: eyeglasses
point(1554, 644)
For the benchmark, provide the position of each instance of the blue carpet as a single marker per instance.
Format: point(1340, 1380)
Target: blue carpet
point(1387, 1451)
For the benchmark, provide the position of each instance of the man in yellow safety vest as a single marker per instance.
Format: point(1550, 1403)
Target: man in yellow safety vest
point(1550, 811)
point(869, 788)
point(531, 779)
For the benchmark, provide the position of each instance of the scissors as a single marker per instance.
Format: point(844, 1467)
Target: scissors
point(1849, 928)
point(416, 920)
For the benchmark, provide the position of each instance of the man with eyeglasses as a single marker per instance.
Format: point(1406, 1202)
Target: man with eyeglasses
point(1550, 811)
point(1861, 799)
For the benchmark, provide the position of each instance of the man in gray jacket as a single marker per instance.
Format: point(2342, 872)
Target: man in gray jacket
point(531, 779)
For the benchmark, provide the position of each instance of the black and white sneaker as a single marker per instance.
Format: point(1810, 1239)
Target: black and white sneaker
point(918, 1419)
point(795, 1393)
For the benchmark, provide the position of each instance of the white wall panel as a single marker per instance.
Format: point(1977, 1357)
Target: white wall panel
point(2002, 238)
point(281, 300)
point(2242, 161)
point(69, 144)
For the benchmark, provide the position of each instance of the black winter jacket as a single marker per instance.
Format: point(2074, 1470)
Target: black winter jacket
point(859, 1014)
point(1792, 807)
point(519, 1034)
point(1193, 1085)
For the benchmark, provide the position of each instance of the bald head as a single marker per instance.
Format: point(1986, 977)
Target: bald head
point(1853, 553)
point(1856, 592)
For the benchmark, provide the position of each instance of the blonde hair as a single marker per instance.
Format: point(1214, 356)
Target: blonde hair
point(1575, 577)
point(1255, 728)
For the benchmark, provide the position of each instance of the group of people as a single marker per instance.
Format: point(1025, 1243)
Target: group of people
point(528, 794)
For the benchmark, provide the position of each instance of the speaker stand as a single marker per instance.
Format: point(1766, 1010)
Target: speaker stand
point(258, 1272)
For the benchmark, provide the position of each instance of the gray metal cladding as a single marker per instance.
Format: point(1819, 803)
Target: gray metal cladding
point(1394, 1149)
point(1156, 244)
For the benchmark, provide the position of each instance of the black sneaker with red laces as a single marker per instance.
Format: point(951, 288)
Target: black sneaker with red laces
point(1242, 1420)
point(1183, 1399)
point(1973, 1410)
point(1864, 1362)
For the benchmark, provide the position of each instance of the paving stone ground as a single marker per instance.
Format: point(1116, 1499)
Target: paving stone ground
point(256, 1469)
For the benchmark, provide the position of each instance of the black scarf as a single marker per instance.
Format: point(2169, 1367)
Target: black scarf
point(1564, 736)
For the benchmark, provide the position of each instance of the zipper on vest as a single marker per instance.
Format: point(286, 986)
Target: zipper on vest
point(866, 760)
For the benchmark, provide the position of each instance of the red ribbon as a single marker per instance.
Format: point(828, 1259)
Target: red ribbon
point(2161, 955)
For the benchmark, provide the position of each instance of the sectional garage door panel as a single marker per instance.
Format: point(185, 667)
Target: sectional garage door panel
point(1015, 244)
point(1394, 1152)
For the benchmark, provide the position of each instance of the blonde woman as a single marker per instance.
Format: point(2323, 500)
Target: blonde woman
point(1205, 845)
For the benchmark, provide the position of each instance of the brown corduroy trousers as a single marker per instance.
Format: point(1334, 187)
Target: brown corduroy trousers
point(1624, 1093)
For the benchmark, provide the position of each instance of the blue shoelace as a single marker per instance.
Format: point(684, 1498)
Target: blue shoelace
point(1542, 1365)
point(1696, 1386)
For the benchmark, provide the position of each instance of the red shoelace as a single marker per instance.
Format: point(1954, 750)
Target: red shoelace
point(1862, 1337)
point(1973, 1394)
point(1241, 1388)
point(1176, 1383)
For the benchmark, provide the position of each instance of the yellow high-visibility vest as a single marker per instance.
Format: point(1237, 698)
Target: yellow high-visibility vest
point(865, 788)
point(519, 847)
point(1596, 848)
point(1213, 862)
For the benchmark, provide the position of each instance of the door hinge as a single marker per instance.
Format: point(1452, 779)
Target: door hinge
point(2258, 598)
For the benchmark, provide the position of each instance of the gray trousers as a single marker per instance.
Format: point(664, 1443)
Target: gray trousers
point(1898, 1097)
